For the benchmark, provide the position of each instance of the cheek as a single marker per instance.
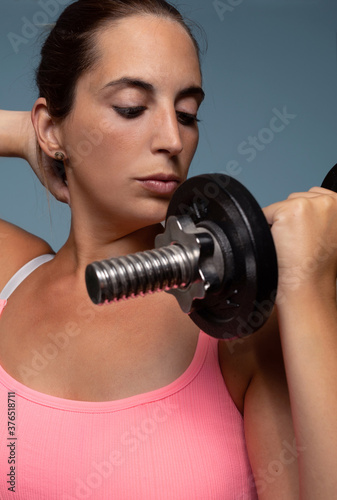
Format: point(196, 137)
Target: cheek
point(101, 142)
point(120, 141)
point(191, 144)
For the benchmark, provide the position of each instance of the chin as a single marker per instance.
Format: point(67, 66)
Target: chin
point(155, 211)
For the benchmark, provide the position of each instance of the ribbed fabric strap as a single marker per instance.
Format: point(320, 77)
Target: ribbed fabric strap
point(3, 304)
point(22, 273)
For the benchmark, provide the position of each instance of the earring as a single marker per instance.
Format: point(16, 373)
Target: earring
point(59, 156)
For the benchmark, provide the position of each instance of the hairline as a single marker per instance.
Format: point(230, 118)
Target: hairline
point(104, 26)
point(92, 44)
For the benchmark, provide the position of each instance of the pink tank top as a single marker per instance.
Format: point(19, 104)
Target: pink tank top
point(184, 441)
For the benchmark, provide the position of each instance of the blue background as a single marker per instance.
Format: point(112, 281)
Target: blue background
point(262, 55)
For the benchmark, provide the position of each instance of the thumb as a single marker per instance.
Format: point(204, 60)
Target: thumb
point(270, 212)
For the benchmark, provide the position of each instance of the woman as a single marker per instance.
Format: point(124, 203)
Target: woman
point(131, 401)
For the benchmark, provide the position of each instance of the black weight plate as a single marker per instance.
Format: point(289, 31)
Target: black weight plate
point(245, 299)
point(330, 180)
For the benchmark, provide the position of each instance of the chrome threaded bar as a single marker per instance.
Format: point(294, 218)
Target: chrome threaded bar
point(137, 274)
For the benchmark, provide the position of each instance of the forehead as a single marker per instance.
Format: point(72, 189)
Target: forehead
point(154, 48)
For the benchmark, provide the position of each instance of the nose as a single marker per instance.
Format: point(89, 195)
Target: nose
point(167, 135)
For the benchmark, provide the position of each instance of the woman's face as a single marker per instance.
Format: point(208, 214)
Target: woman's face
point(132, 133)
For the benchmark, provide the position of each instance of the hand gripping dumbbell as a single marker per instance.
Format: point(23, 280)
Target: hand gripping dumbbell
point(216, 256)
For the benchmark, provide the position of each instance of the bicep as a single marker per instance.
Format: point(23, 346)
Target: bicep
point(268, 425)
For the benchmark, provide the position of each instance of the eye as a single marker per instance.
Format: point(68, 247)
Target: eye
point(130, 112)
point(187, 118)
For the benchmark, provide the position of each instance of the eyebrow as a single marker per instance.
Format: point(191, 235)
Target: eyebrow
point(135, 82)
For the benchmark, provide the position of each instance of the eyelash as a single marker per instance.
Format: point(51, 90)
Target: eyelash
point(130, 112)
point(187, 118)
point(134, 112)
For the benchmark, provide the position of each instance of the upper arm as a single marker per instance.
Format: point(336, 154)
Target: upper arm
point(258, 362)
point(268, 423)
point(17, 247)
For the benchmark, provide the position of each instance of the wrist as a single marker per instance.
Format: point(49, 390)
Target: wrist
point(14, 126)
point(306, 293)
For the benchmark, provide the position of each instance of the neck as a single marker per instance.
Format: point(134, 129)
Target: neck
point(84, 246)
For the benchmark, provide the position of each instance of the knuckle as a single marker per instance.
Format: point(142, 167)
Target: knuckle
point(300, 206)
point(328, 202)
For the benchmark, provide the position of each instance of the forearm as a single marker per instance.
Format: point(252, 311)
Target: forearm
point(308, 327)
point(13, 132)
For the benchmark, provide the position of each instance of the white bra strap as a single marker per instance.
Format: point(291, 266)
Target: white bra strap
point(22, 273)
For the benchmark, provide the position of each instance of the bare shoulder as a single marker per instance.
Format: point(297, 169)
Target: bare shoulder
point(242, 359)
point(17, 248)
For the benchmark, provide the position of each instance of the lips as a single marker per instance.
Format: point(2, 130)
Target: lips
point(160, 183)
point(161, 178)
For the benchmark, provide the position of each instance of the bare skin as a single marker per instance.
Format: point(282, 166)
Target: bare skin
point(141, 345)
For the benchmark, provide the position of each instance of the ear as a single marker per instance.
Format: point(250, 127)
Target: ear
point(46, 129)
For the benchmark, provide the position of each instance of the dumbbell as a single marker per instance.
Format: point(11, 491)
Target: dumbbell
point(216, 256)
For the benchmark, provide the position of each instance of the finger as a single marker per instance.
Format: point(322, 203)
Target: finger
point(53, 174)
point(270, 211)
point(60, 191)
point(312, 193)
point(321, 190)
point(57, 187)
point(291, 205)
point(307, 194)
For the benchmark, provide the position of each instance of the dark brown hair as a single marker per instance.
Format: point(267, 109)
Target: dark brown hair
point(69, 50)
